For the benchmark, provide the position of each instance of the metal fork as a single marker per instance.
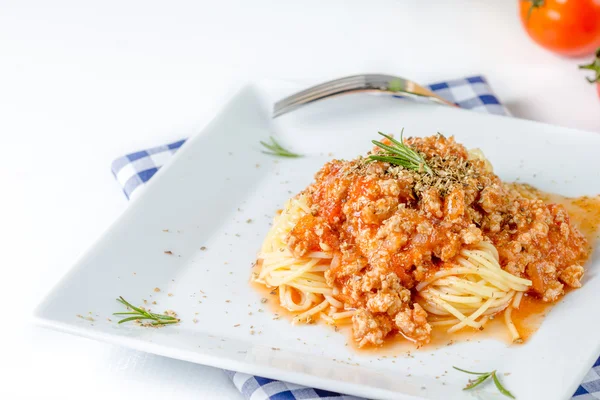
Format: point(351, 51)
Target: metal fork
point(389, 84)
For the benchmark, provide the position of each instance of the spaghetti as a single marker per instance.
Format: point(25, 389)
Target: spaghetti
point(472, 290)
point(392, 249)
point(300, 281)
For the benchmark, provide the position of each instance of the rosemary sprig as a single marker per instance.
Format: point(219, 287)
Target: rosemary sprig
point(139, 314)
point(483, 376)
point(275, 149)
point(400, 154)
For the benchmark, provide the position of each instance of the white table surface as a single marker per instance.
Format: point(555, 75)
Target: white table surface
point(83, 83)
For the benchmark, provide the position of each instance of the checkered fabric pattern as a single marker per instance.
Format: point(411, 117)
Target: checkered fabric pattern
point(590, 386)
point(472, 93)
point(133, 170)
point(258, 388)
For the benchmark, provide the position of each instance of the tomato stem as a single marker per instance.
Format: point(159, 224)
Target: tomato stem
point(534, 4)
point(593, 66)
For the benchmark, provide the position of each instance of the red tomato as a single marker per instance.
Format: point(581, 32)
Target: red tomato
point(567, 27)
point(594, 66)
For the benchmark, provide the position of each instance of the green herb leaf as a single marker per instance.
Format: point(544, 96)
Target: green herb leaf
point(471, 372)
point(399, 153)
point(126, 313)
point(476, 382)
point(139, 314)
point(163, 317)
point(137, 318)
point(174, 321)
point(275, 149)
point(483, 376)
point(123, 301)
point(500, 387)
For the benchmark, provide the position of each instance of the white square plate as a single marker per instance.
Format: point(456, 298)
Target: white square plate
point(220, 179)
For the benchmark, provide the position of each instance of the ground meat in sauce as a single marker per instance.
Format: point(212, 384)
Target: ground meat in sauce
point(390, 228)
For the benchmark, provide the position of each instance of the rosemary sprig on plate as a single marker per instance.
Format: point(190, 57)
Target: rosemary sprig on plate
point(275, 149)
point(138, 314)
point(399, 153)
point(483, 376)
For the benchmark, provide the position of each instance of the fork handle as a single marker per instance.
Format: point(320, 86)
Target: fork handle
point(379, 83)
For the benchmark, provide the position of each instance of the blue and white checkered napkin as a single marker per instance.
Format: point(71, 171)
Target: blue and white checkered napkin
point(133, 170)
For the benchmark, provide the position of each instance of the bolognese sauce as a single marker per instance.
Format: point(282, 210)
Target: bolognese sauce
point(380, 232)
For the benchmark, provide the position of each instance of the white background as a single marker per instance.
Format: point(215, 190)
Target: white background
point(82, 83)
